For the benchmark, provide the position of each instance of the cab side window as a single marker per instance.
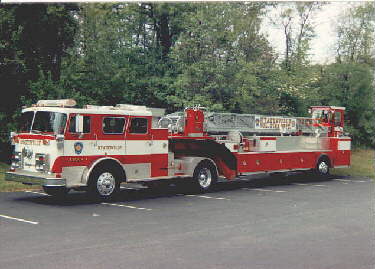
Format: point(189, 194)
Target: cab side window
point(138, 126)
point(86, 124)
point(113, 125)
point(337, 118)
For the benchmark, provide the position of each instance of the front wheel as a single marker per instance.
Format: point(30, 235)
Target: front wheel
point(205, 176)
point(104, 183)
point(58, 192)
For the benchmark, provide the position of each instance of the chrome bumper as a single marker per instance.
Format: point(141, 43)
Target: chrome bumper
point(34, 179)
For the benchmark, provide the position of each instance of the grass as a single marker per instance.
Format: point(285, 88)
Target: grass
point(11, 186)
point(362, 165)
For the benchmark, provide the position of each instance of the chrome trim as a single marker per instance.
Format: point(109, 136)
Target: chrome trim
point(34, 179)
point(157, 178)
point(273, 171)
point(286, 151)
point(106, 184)
point(204, 177)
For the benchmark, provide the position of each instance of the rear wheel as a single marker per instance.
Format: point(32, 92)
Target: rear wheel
point(59, 192)
point(205, 176)
point(322, 167)
point(104, 183)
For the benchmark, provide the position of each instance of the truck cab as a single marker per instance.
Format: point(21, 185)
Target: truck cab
point(59, 146)
point(331, 117)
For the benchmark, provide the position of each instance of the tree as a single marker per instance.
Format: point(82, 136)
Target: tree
point(33, 38)
point(355, 35)
point(297, 22)
point(220, 41)
point(350, 85)
point(121, 54)
point(296, 77)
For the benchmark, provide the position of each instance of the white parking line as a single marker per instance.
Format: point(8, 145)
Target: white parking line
point(313, 185)
point(259, 189)
point(35, 192)
point(347, 180)
point(207, 197)
point(127, 206)
point(342, 180)
point(18, 219)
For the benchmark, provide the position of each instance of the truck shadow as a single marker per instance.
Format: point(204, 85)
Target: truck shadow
point(75, 198)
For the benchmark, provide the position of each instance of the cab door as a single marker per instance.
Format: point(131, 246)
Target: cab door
point(78, 138)
point(138, 146)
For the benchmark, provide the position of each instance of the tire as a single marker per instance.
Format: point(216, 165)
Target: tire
point(205, 176)
point(322, 167)
point(104, 183)
point(58, 192)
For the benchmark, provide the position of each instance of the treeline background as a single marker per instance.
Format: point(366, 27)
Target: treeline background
point(175, 55)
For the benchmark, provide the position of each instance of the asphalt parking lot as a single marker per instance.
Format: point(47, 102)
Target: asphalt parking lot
point(267, 222)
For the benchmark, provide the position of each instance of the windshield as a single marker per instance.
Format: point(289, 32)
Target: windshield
point(47, 122)
point(322, 115)
point(26, 121)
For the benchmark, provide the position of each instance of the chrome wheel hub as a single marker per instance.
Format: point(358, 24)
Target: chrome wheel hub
point(106, 184)
point(323, 168)
point(204, 177)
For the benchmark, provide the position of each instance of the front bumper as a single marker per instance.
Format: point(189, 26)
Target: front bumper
point(35, 179)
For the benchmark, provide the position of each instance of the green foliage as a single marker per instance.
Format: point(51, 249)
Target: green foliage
point(181, 54)
point(355, 32)
point(219, 46)
point(297, 22)
point(33, 41)
point(350, 85)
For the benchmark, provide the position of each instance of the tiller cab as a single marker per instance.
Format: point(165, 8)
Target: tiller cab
point(96, 148)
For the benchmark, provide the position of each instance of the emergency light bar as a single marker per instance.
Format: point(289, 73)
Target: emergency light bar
point(131, 107)
point(57, 103)
point(99, 107)
point(156, 112)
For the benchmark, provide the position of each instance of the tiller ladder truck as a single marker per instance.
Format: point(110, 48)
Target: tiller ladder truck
point(96, 148)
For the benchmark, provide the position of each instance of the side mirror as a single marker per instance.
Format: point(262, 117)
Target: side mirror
point(11, 136)
point(60, 138)
point(79, 124)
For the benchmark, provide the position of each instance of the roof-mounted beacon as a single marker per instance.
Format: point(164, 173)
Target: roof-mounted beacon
point(57, 103)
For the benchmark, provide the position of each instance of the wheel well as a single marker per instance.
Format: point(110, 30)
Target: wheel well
point(206, 149)
point(109, 163)
point(326, 158)
point(210, 162)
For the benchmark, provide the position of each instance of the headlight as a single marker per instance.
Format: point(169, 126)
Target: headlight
point(41, 162)
point(16, 160)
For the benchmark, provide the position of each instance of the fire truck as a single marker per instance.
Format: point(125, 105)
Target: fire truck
point(96, 148)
